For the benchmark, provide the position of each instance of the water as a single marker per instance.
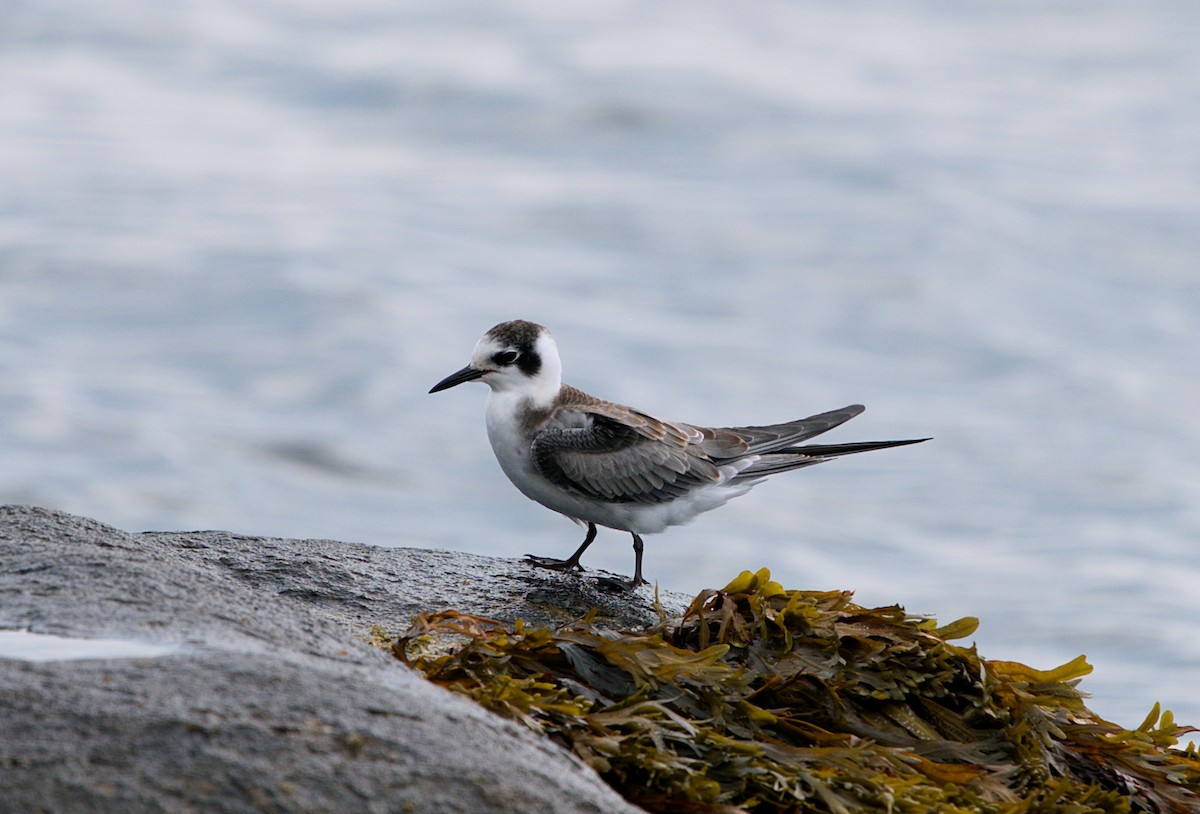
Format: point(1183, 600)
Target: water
point(22, 645)
point(238, 243)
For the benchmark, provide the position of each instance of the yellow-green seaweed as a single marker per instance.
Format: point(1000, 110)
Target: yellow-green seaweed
point(761, 699)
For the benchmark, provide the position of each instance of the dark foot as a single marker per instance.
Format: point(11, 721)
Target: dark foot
point(553, 564)
point(570, 563)
point(637, 580)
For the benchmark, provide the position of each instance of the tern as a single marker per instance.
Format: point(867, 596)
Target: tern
point(604, 464)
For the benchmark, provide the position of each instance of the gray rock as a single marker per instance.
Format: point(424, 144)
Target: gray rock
point(273, 702)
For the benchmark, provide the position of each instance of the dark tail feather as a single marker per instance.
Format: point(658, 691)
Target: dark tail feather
point(784, 460)
point(834, 450)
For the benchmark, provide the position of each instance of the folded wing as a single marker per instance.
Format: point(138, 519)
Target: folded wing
point(623, 456)
point(612, 461)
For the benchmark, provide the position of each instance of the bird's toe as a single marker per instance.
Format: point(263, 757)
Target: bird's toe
point(552, 563)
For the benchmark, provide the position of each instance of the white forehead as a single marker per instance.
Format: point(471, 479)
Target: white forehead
point(485, 348)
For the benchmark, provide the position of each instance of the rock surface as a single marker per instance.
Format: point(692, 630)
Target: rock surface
point(273, 701)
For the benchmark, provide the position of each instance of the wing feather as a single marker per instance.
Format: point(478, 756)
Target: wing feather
point(611, 452)
point(642, 460)
point(738, 442)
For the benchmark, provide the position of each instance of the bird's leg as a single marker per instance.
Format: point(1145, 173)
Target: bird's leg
point(637, 562)
point(572, 562)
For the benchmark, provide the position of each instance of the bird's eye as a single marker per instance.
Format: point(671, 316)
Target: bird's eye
point(505, 357)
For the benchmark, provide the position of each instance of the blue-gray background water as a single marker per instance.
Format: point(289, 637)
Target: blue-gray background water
point(240, 241)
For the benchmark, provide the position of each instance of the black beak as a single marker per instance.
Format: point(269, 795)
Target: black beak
point(467, 374)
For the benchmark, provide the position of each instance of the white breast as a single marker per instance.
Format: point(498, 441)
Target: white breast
point(511, 444)
point(504, 433)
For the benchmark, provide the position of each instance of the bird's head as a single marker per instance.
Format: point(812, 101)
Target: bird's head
point(515, 356)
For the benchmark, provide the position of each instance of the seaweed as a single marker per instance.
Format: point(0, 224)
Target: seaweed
point(761, 699)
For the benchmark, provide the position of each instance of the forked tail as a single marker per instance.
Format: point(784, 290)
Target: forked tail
point(783, 460)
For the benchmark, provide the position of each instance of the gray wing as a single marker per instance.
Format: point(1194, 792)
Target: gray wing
point(738, 442)
point(624, 456)
point(613, 461)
